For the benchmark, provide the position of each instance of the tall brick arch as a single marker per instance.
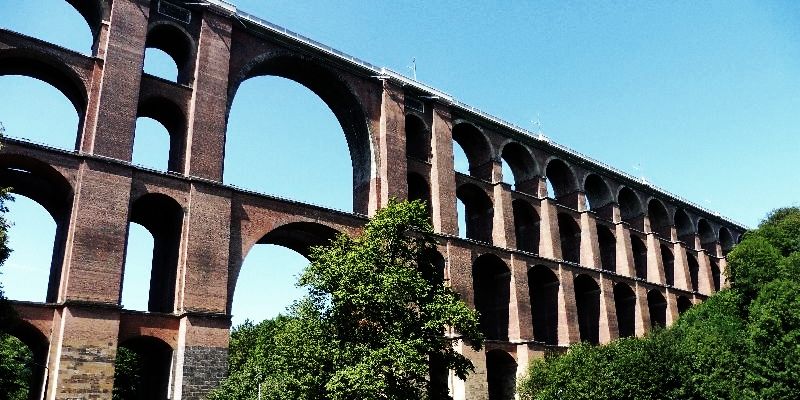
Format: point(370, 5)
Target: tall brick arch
point(558, 259)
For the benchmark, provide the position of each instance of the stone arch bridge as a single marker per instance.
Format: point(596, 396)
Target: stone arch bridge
point(597, 256)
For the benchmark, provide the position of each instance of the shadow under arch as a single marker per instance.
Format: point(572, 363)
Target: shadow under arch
point(171, 116)
point(339, 98)
point(39, 345)
point(300, 237)
point(93, 12)
point(46, 186)
point(147, 363)
point(176, 42)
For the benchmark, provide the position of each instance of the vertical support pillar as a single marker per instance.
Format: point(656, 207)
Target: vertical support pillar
point(503, 218)
point(642, 324)
point(476, 386)
point(111, 117)
point(682, 276)
point(590, 245)
point(672, 307)
point(201, 359)
point(625, 264)
point(550, 241)
point(208, 106)
point(519, 271)
point(443, 180)
point(568, 331)
point(391, 150)
point(608, 311)
point(655, 263)
point(705, 283)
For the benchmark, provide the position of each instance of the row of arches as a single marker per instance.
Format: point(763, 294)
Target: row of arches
point(492, 285)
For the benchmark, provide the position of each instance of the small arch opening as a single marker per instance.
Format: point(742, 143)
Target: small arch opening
point(25, 358)
point(169, 54)
point(160, 136)
point(630, 207)
point(708, 240)
point(659, 219)
point(543, 287)
point(639, 250)
point(597, 192)
point(694, 270)
point(562, 183)
point(683, 304)
point(491, 281)
point(519, 168)
point(587, 303)
point(475, 149)
point(526, 226)
point(151, 144)
point(501, 375)
point(657, 306)
point(683, 226)
point(625, 302)
point(607, 242)
point(142, 369)
point(668, 259)
point(570, 238)
point(418, 139)
point(418, 189)
point(478, 213)
point(716, 274)
point(726, 241)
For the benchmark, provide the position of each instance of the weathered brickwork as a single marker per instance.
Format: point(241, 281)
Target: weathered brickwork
point(572, 251)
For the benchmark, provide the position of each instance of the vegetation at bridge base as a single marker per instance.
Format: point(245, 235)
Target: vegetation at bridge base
point(374, 317)
point(741, 343)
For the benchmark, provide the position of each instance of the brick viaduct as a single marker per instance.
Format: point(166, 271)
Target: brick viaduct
point(604, 255)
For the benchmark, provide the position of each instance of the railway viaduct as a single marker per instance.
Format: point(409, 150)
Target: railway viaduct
point(598, 256)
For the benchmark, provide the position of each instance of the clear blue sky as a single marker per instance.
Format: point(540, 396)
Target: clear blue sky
point(701, 98)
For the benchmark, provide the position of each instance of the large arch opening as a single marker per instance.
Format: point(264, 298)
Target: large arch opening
point(570, 235)
point(587, 303)
point(639, 250)
point(161, 217)
point(543, 287)
point(659, 219)
point(25, 359)
point(597, 192)
point(287, 109)
point(169, 53)
point(478, 213)
point(501, 375)
point(418, 189)
point(526, 226)
point(625, 302)
point(71, 24)
point(262, 284)
point(418, 139)
point(608, 248)
point(33, 232)
point(160, 136)
point(522, 167)
point(658, 308)
point(475, 149)
point(142, 369)
point(630, 208)
point(668, 259)
point(561, 182)
point(37, 86)
point(726, 241)
point(694, 270)
point(491, 282)
point(708, 241)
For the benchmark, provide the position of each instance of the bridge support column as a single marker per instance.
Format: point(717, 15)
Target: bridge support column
point(392, 159)
point(201, 359)
point(642, 324)
point(608, 311)
point(590, 246)
point(443, 180)
point(521, 308)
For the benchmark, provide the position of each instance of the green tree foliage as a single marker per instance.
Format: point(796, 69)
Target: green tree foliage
point(741, 343)
point(374, 318)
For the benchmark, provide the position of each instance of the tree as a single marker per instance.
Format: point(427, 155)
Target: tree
point(371, 326)
point(743, 342)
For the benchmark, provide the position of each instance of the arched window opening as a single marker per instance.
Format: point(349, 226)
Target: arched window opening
point(587, 303)
point(563, 184)
point(418, 140)
point(264, 284)
point(683, 304)
point(476, 151)
point(597, 193)
point(639, 250)
point(630, 207)
point(138, 268)
point(160, 137)
point(526, 226)
point(491, 281)
point(151, 144)
point(707, 238)
point(478, 212)
point(162, 217)
point(169, 54)
point(668, 259)
point(438, 387)
point(57, 22)
point(520, 169)
point(22, 117)
point(726, 241)
point(438, 265)
point(683, 225)
point(40, 218)
point(543, 286)
point(142, 369)
point(694, 270)
point(418, 190)
point(608, 248)
point(25, 357)
point(501, 375)
point(658, 308)
point(659, 219)
point(716, 275)
point(625, 302)
point(273, 123)
point(570, 235)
